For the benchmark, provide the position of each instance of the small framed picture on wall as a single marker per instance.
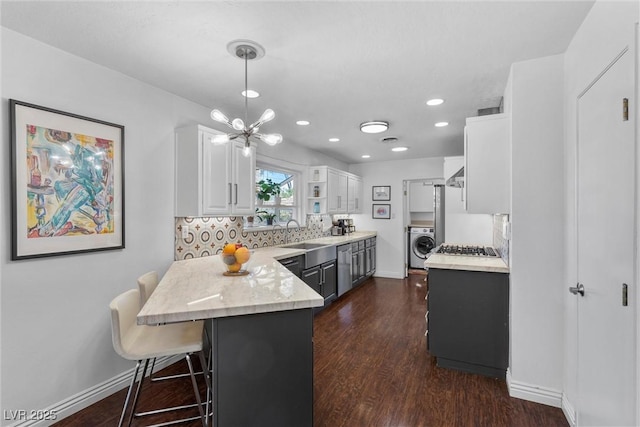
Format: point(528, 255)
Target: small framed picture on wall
point(381, 193)
point(381, 211)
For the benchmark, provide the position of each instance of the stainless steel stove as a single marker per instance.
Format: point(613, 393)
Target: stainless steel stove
point(464, 250)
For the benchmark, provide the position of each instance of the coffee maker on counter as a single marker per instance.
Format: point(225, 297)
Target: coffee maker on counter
point(342, 226)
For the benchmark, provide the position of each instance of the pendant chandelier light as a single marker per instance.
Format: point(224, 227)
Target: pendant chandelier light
point(246, 50)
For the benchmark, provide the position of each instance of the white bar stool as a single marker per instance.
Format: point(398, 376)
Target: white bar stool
point(141, 342)
point(147, 284)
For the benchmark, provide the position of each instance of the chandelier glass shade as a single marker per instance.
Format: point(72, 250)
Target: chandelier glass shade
point(246, 50)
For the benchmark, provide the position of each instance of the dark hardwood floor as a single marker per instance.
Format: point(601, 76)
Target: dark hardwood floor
point(371, 369)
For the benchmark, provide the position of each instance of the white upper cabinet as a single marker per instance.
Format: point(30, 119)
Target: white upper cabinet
point(212, 179)
point(243, 171)
point(354, 194)
point(338, 192)
point(487, 160)
point(421, 196)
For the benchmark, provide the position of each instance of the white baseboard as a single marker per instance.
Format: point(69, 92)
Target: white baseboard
point(533, 393)
point(88, 397)
point(569, 412)
point(389, 274)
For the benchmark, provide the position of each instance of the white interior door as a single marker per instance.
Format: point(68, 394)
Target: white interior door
point(606, 257)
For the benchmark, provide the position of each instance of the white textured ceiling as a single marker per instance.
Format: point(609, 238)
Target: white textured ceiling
point(335, 64)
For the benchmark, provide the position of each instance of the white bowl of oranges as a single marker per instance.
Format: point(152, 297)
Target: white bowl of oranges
point(235, 257)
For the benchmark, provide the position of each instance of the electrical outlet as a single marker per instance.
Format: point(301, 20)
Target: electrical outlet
point(185, 231)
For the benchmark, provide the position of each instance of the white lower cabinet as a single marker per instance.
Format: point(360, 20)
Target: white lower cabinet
point(212, 179)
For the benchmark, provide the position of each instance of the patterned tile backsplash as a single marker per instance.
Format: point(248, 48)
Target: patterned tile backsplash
point(499, 242)
point(207, 236)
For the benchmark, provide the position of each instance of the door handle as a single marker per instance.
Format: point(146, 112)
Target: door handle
point(235, 186)
point(577, 289)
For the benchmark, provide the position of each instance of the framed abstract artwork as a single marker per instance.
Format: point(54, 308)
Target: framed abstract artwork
point(381, 193)
point(381, 211)
point(67, 183)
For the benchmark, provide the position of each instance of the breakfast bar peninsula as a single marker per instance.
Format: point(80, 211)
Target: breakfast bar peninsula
point(261, 330)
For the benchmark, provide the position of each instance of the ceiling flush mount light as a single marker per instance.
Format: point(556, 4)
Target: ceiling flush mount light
point(397, 149)
point(302, 122)
point(245, 49)
point(365, 156)
point(435, 101)
point(375, 126)
point(334, 139)
point(441, 124)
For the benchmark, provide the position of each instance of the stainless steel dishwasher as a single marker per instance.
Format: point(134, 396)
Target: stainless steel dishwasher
point(344, 268)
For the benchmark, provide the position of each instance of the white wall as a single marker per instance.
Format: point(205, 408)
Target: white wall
point(391, 234)
point(459, 226)
point(56, 333)
point(607, 29)
point(56, 336)
point(534, 101)
point(298, 155)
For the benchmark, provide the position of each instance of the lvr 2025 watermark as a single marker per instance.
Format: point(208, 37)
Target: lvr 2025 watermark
point(29, 415)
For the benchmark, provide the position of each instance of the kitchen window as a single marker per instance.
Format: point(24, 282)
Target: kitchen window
point(283, 208)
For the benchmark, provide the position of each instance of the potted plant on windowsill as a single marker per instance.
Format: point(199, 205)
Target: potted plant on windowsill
point(267, 188)
point(266, 216)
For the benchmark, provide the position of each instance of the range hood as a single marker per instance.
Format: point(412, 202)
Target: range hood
point(457, 179)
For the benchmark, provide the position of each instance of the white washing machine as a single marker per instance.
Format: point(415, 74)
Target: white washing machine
point(421, 242)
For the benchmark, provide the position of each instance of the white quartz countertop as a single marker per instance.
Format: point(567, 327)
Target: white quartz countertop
point(196, 289)
point(341, 240)
point(471, 263)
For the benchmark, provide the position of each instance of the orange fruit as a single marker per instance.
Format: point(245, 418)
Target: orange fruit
point(234, 268)
point(229, 249)
point(242, 255)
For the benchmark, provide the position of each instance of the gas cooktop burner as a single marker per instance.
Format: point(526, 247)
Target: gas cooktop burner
point(467, 250)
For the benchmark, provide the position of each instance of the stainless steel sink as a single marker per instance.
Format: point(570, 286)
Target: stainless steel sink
point(304, 245)
point(315, 253)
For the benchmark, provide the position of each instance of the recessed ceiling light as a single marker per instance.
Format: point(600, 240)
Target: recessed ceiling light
point(302, 122)
point(399, 149)
point(435, 101)
point(250, 93)
point(334, 139)
point(441, 124)
point(376, 126)
point(365, 156)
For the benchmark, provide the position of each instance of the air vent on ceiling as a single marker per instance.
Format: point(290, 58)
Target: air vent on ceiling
point(389, 139)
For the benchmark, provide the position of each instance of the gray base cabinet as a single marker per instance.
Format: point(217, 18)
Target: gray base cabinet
point(324, 280)
point(312, 277)
point(329, 281)
point(363, 260)
point(293, 264)
point(468, 320)
point(263, 369)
